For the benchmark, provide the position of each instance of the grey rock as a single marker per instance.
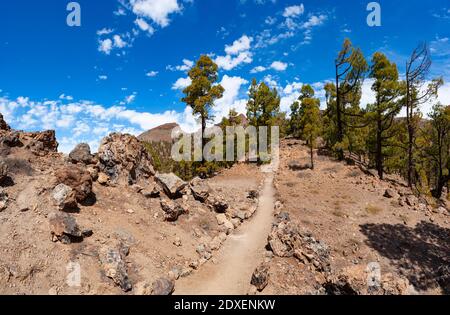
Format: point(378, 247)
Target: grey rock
point(64, 197)
point(64, 227)
point(171, 184)
point(115, 267)
point(163, 286)
point(260, 277)
point(81, 154)
point(172, 210)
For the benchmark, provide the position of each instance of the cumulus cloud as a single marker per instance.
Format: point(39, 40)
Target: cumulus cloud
point(232, 98)
point(181, 83)
point(294, 11)
point(86, 121)
point(279, 66)
point(105, 46)
point(236, 54)
point(144, 26)
point(156, 10)
point(242, 44)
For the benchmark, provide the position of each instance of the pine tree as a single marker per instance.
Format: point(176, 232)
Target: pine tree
point(201, 94)
point(382, 113)
point(310, 121)
point(438, 149)
point(350, 67)
point(417, 93)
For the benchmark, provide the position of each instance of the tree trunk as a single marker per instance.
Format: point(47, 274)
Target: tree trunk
point(311, 150)
point(340, 131)
point(203, 138)
point(379, 152)
point(410, 132)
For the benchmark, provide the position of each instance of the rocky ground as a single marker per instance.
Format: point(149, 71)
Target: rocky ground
point(341, 230)
point(108, 224)
point(107, 218)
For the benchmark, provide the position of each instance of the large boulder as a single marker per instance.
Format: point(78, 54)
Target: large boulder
point(171, 184)
point(64, 228)
point(77, 178)
point(172, 210)
point(81, 154)
point(287, 240)
point(124, 159)
point(114, 266)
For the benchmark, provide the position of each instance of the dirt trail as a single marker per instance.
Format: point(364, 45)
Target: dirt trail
point(240, 254)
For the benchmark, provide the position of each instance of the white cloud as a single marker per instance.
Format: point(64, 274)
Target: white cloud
point(240, 45)
point(294, 11)
point(156, 10)
point(314, 20)
point(181, 83)
point(230, 99)
point(103, 77)
point(258, 69)
point(104, 31)
point(152, 74)
point(86, 121)
point(279, 66)
point(186, 66)
point(105, 46)
point(229, 62)
point(65, 97)
point(144, 26)
point(236, 54)
point(119, 42)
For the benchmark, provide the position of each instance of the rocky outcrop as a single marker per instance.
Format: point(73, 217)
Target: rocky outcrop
point(77, 178)
point(41, 143)
point(81, 154)
point(287, 240)
point(3, 124)
point(171, 184)
point(124, 159)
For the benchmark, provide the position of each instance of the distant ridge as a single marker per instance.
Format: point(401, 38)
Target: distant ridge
point(161, 133)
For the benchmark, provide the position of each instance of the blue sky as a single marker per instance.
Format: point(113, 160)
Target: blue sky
point(124, 68)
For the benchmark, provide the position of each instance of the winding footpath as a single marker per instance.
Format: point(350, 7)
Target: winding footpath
point(241, 253)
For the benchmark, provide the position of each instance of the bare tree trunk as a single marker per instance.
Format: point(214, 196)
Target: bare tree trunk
point(379, 152)
point(203, 139)
point(340, 131)
point(311, 147)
